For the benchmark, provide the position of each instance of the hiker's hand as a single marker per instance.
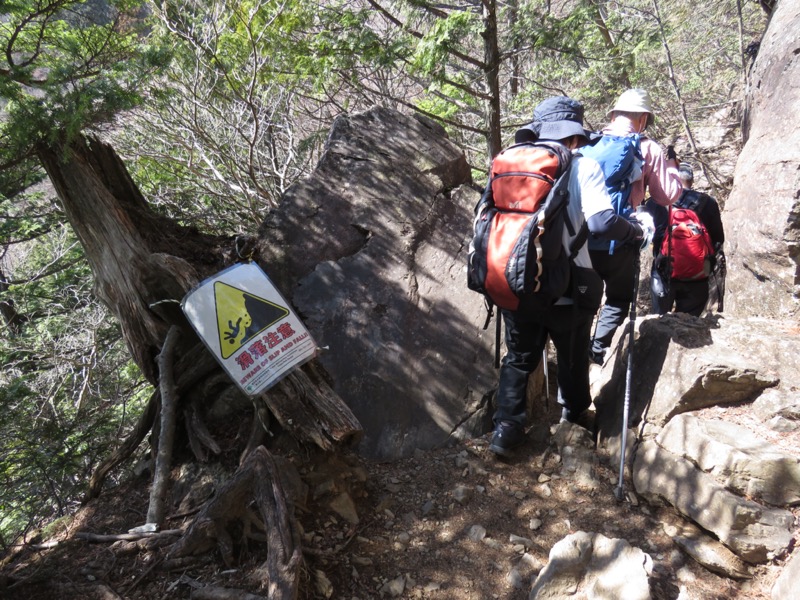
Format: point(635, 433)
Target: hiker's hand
point(663, 264)
point(721, 261)
point(645, 221)
point(671, 153)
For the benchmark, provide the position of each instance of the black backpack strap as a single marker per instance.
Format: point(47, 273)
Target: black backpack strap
point(693, 200)
point(491, 312)
point(579, 240)
point(497, 334)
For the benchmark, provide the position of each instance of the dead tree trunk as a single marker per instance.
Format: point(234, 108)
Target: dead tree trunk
point(138, 257)
point(143, 265)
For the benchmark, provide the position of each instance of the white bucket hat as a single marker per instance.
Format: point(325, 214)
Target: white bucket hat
point(635, 100)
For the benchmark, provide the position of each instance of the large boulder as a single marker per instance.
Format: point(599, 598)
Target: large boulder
point(761, 215)
point(374, 248)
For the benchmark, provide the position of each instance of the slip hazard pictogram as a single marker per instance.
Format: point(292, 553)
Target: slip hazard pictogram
point(249, 327)
point(241, 316)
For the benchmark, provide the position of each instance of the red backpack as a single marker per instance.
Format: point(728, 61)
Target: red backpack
point(516, 257)
point(688, 244)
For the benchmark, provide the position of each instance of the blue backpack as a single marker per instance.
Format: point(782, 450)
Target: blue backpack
point(620, 158)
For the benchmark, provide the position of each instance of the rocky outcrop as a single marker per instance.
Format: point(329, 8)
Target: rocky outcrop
point(707, 551)
point(374, 241)
point(704, 447)
point(761, 214)
point(754, 532)
point(682, 363)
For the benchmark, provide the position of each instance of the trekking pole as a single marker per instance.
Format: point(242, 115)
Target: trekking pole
point(498, 329)
point(546, 374)
point(619, 491)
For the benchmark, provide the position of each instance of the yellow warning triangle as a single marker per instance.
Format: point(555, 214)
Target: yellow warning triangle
point(241, 316)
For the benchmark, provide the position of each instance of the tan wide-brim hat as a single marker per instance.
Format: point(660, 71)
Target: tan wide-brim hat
point(635, 100)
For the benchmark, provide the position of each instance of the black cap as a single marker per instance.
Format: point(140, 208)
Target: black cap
point(559, 117)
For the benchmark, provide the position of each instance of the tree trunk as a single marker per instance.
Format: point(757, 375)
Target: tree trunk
point(143, 265)
point(492, 60)
point(137, 257)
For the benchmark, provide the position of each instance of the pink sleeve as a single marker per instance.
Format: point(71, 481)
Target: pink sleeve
point(660, 175)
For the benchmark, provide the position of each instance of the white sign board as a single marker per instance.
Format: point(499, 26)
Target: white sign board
point(249, 327)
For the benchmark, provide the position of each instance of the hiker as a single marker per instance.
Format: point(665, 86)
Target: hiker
point(631, 115)
point(686, 295)
point(559, 120)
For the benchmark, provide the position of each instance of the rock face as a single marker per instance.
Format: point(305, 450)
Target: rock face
point(688, 375)
point(682, 363)
point(761, 222)
point(374, 244)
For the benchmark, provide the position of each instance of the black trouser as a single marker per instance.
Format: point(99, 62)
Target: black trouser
point(526, 336)
point(687, 296)
point(618, 272)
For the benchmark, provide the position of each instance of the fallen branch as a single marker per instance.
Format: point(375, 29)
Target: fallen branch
point(97, 537)
point(127, 448)
point(218, 593)
point(158, 493)
point(194, 364)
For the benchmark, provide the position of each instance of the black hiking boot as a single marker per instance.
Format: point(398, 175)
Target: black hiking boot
point(507, 436)
point(585, 419)
point(582, 418)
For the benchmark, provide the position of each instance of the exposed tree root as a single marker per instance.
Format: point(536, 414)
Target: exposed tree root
point(125, 537)
point(218, 593)
point(200, 438)
point(257, 480)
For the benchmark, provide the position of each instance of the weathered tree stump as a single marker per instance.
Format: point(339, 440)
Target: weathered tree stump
point(257, 480)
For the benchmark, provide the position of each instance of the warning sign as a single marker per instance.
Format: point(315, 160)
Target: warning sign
point(249, 327)
point(241, 316)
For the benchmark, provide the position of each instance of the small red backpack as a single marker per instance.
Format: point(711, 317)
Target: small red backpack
point(687, 243)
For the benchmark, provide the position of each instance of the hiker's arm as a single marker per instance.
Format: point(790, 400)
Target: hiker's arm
point(601, 218)
point(713, 221)
point(660, 174)
point(608, 225)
